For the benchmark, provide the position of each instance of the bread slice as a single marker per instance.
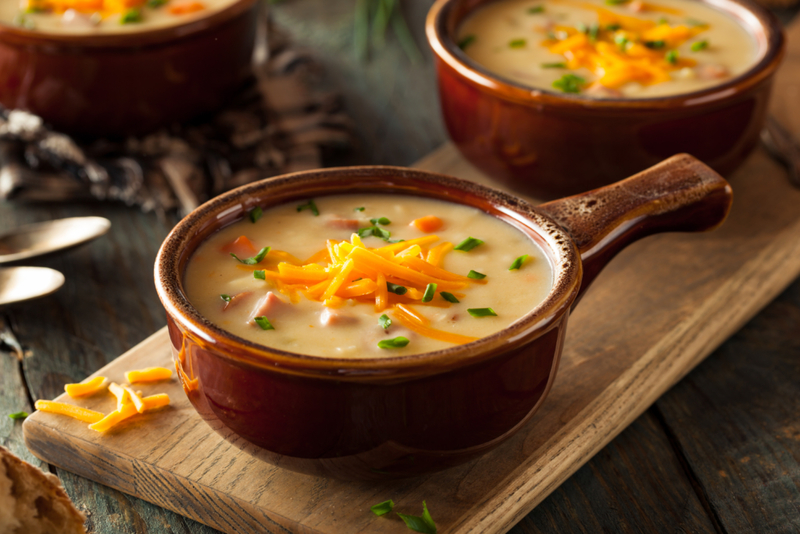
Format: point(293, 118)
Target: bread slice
point(33, 502)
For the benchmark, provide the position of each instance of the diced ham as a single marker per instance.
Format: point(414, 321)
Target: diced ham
point(343, 224)
point(236, 299)
point(333, 317)
point(266, 307)
point(242, 247)
point(710, 71)
point(600, 90)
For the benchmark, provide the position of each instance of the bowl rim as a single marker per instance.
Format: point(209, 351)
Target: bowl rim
point(758, 21)
point(131, 39)
point(235, 204)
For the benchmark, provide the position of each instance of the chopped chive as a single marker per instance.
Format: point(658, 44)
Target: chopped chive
point(255, 214)
point(655, 45)
point(699, 45)
point(581, 27)
point(255, 259)
point(569, 83)
point(475, 275)
point(592, 32)
point(18, 415)
point(449, 297)
point(518, 262)
point(422, 524)
point(260, 275)
point(365, 232)
point(380, 232)
point(613, 27)
point(672, 57)
point(385, 323)
point(554, 65)
point(616, 2)
point(382, 507)
point(396, 343)
point(481, 312)
point(156, 3)
point(264, 323)
point(396, 289)
point(536, 9)
point(226, 298)
point(131, 16)
point(381, 220)
point(517, 43)
point(468, 244)
point(430, 291)
point(552, 36)
point(310, 205)
point(360, 208)
point(621, 41)
point(466, 41)
point(662, 20)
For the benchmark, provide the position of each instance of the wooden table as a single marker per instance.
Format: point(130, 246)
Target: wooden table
point(720, 452)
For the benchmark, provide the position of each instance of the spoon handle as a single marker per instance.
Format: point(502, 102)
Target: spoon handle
point(782, 146)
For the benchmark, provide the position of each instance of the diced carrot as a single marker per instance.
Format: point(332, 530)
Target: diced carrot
point(151, 374)
point(428, 224)
point(185, 8)
point(62, 408)
point(242, 247)
point(87, 387)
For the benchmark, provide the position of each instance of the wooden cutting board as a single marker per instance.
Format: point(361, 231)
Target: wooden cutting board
point(656, 311)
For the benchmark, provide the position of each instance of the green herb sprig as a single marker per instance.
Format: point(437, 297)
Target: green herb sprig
point(263, 323)
point(481, 312)
point(382, 508)
point(255, 259)
point(569, 83)
point(396, 289)
point(475, 275)
point(468, 244)
point(17, 416)
point(449, 297)
point(422, 523)
point(255, 214)
point(385, 323)
point(517, 263)
point(699, 45)
point(430, 291)
point(396, 343)
point(131, 16)
point(310, 205)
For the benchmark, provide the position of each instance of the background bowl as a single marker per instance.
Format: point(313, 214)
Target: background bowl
point(551, 144)
point(128, 83)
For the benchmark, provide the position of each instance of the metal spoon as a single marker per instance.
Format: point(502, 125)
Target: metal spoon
point(24, 283)
point(46, 237)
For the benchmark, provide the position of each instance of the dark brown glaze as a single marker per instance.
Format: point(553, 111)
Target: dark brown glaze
point(549, 144)
point(394, 417)
point(131, 83)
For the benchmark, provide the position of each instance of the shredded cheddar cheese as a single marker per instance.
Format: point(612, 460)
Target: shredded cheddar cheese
point(62, 408)
point(151, 374)
point(152, 402)
point(106, 7)
point(85, 388)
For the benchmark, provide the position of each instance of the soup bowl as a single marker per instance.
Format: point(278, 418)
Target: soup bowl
point(116, 84)
point(549, 144)
point(389, 417)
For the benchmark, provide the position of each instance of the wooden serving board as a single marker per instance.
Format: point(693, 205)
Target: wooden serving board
point(656, 311)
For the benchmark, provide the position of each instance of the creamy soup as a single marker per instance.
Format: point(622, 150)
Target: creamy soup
point(104, 16)
point(370, 275)
point(608, 48)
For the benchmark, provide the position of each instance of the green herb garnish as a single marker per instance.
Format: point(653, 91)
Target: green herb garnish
point(449, 297)
point(592, 32)
point(621, 41)
point(385, 323)
point(156, 3)
point(310, 205)
point(655, 45)
point(381, 220)
point(430, 291)
point(475, 275)
point(255, 214)
point(382, 507)
point(362, 208)
point(613, 27)
point(396, 289)
point(131, 16)
point(466, 41)
point(616, 2)
point(671, 57)
point(518, 262)
point(699, 45)
point(481, 312)
point(18, 415)
point(536, 9)
point(375, 231)
point(396, 343)
point(264, 323)
point(226, 298)
point(255, 259)
point(21, 21)
point(569, 83)
point(260, 275)
point(422, 524)
point(468, 244)
point(554, 65)
point(517, 43)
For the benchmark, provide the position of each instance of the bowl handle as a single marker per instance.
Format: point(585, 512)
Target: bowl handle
point(680, 194)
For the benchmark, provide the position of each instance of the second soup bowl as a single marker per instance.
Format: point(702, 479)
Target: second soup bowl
point(390, 417)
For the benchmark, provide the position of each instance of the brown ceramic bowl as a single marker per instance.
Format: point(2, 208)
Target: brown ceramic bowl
point(403, 416)
point(128, 83)
point(551, 144)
